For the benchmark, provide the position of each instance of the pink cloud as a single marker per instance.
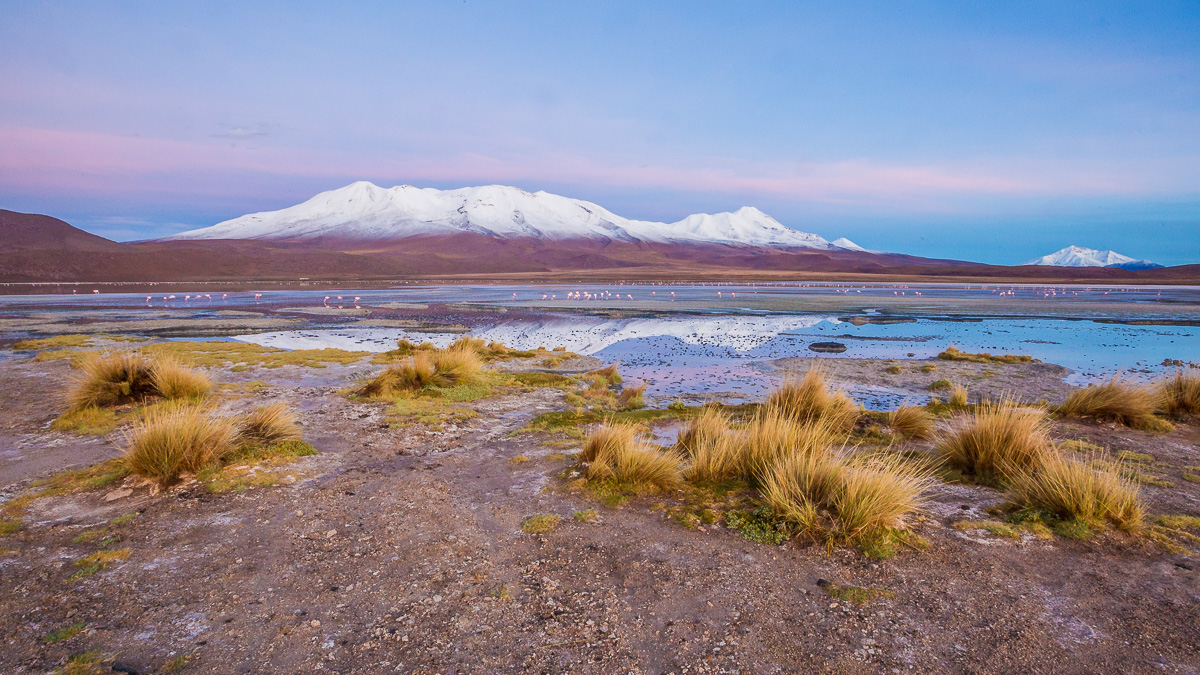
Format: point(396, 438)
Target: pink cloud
point(55, 160)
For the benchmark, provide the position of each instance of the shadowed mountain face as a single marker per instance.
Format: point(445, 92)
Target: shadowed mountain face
point(30, 232)
point(39, 248)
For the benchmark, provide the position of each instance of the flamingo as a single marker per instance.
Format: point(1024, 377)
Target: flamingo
point(325, 302)
point(97, 291)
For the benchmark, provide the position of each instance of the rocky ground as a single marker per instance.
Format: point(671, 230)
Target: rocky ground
point(400, 549)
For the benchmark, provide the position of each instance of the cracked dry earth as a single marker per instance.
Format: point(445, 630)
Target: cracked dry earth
point(401, 550)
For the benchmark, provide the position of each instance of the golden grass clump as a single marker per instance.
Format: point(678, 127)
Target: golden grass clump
point(809, 398)
point(874, 495)
point(416, 374)
point(1115, 401)
point(995, 441)
point(167, 443)
point(1179, 393)
point(111, 380)
point(1079, 489)
point(470, 344)
point(850, 499)
point(958, 396)
point(772, 435)
point(454, 366)
point(797, 486)
point(911, 421)
point(641, 464)
point(631, 398)
point(608, 439)
point(268, 425)
point(450, 367)
point(608, 373)
point(117, 379)
point(953, 353)
point(175, 382)
point(616, 453)
point(703, 430)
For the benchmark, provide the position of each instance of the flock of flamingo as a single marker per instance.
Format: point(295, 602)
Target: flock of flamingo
point(996, 291)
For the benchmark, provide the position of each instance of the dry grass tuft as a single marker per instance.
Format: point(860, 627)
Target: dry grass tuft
point(958, 396)
point(995, 441)
point(1079, 489)
point(455, 366)
point(797, 486)
point(268, 425)
point(848, 499)
point(1116, 401)
point(608, 439)
point(175, 382)
point(167, 443)
point(642, 464)
point(773, 435)
point(416, 374)
point(458, 364)
point(703, 430)
point(106, 381)
point(809, 399)
point(715, 458)
point(1179, 393)
point(874, 495)
point(117, 379)
point(911, 421)
point(616, 453)
point(608, 373)
point(631, 398)
point(953, 353)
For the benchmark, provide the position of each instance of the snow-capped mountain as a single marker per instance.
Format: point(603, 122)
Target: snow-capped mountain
point(1077, 256)
point(364, 211)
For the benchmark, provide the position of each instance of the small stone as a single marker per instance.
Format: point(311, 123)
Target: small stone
point(314, 623)
point(119, 493)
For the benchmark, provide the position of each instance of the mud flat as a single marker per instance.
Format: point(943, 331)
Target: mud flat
point(399, 547)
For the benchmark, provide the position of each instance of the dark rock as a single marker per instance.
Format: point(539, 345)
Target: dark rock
point(828, 347)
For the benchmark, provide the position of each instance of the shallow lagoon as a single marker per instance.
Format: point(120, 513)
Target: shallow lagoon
point(700, 338)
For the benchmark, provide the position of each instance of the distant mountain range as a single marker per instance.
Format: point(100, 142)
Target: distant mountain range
point(1077, 256)
point(365, 234)
point(364, 212)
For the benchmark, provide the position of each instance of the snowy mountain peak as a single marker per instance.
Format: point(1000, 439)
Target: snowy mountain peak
point(844, 243)
point(1078, 256)
point(365, 211)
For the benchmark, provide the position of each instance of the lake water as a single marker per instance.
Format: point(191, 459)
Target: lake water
point(696, 338)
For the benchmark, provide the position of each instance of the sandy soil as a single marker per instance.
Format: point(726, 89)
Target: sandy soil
point(401, 550)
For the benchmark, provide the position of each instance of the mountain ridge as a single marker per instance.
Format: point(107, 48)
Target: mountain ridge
point(364, 211)
point(1079, 256)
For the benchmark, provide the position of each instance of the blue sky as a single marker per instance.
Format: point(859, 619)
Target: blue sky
point(986, 131)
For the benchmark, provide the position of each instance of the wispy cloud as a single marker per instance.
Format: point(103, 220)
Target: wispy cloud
point(241, 132)
point(48, 160)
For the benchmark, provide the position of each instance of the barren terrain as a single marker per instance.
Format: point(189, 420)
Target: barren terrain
point(399, 547)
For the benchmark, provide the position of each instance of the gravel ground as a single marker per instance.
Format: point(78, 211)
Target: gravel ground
point(401, 550)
